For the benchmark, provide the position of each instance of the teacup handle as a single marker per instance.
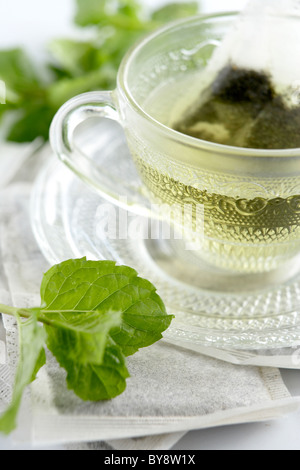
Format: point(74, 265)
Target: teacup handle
point(73, 113)
point(126, 192)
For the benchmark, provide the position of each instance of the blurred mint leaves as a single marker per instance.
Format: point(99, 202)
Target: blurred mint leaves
point(76, 66)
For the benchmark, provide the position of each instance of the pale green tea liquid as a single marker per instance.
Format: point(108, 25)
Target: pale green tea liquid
point(247, 234)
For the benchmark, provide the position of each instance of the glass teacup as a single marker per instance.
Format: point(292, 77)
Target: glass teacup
point(249, 198)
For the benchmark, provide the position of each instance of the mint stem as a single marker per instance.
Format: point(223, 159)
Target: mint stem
point(27, 313)
point(13, 311)
point(24, 312)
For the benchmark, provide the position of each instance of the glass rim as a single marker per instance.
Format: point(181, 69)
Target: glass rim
point(122, 84)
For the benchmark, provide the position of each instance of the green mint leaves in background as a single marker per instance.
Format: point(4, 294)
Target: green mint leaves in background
point(76, 66)
point(93, 315)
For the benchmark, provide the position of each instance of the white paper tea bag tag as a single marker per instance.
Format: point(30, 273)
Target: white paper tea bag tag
point(251, 94)
point(265, 38)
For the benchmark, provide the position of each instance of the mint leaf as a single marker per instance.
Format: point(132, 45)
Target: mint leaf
point(144, 316)
point(174, 11)
point(90, 12)
point(77, 57)
point(80, 341)
point(121, 13)
point(79, 337)
point(31, 359)
point(89, 341)
point(61, 91)
point(26, 94)
point(35, 121)
point(103, 286)
point(18, 73)
point(96, 382)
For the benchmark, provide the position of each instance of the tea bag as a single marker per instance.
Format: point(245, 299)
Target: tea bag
point(253, 97)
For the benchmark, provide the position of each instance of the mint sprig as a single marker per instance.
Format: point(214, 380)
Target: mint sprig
point(92, 315)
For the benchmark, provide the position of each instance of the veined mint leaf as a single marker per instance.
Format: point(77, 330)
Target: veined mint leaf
point(79, 336)
point(96, 382)
point(102, 286)
point(144, 316)
point(80, 341)
point(31, 359)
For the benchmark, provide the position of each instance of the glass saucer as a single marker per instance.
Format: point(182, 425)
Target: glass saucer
point(212, 308)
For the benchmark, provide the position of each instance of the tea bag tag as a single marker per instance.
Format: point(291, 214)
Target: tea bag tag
point(265, 38)
point(251, 96)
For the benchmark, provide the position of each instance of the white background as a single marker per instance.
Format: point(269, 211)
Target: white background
point(31, 23)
